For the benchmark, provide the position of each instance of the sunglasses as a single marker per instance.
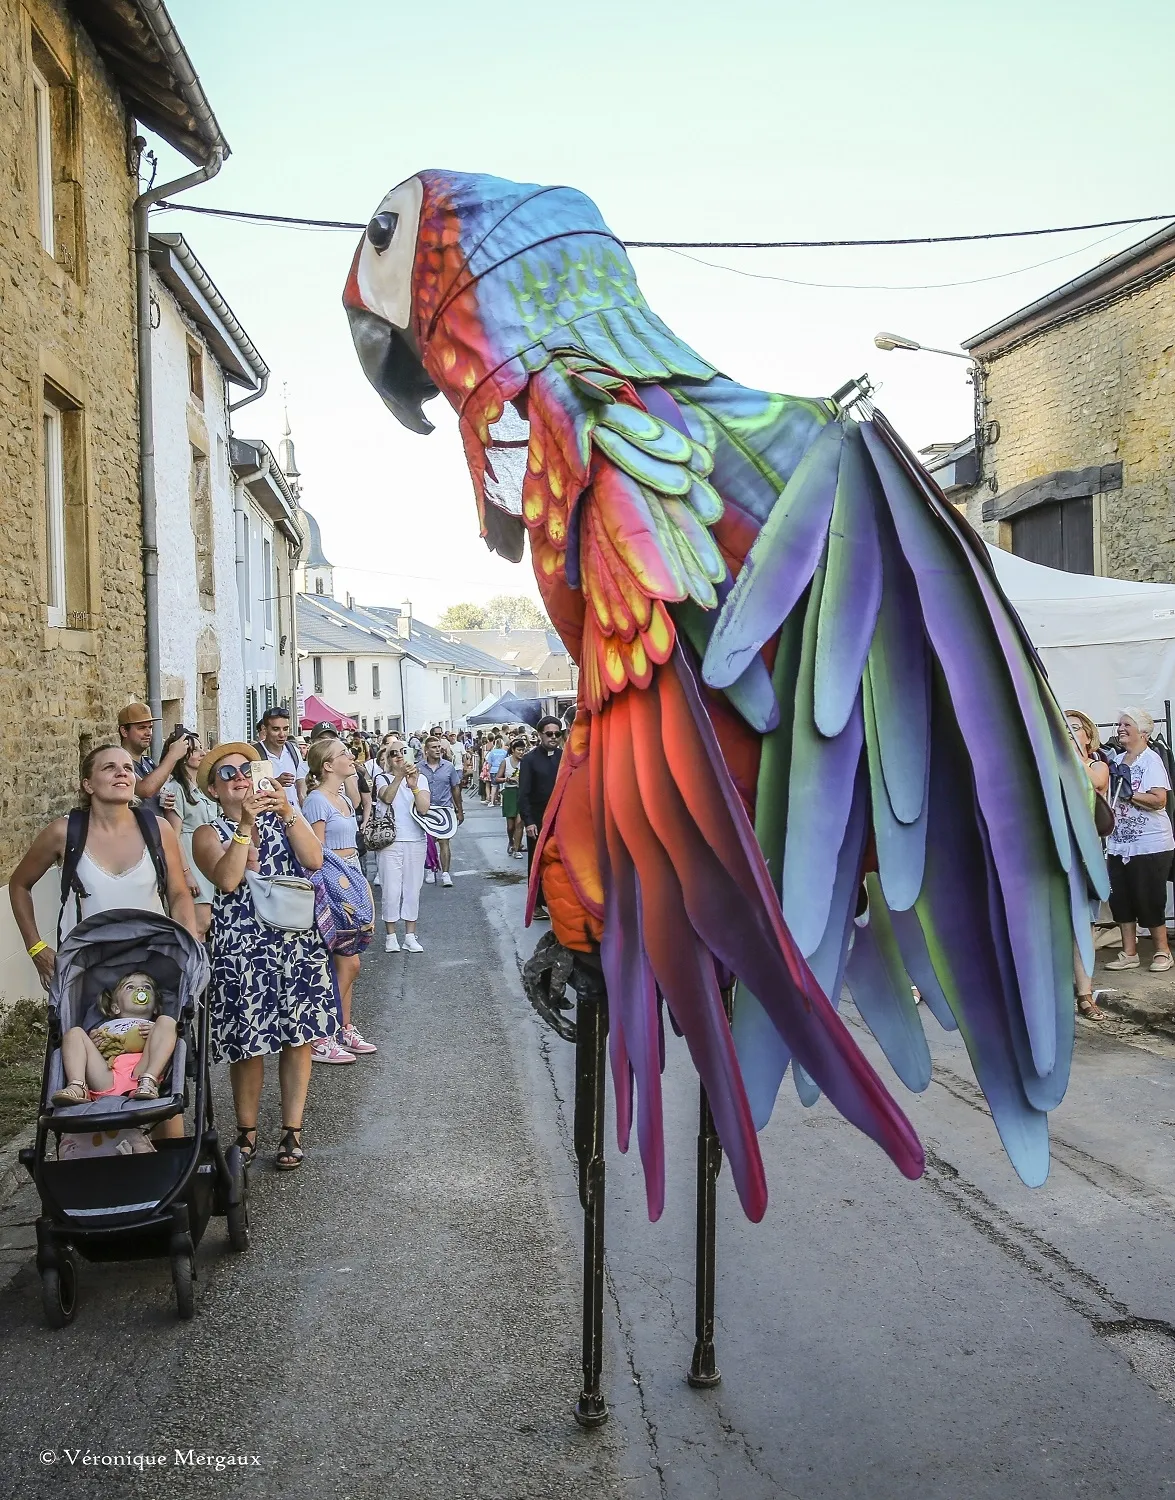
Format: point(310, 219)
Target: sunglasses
point(231, 773)
point(550, 734)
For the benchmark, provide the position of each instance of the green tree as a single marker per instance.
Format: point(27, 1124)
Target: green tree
point(515, 612)
point(463, 617)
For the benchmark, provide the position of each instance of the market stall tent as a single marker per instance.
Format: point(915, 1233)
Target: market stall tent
point(317, 711)
point(1106, 643)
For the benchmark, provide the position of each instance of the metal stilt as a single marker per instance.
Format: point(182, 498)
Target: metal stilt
point(590, 1043)
point(703, 1370)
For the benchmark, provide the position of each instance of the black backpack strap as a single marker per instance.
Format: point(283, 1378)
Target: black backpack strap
point(77, 828)
point(149, 828)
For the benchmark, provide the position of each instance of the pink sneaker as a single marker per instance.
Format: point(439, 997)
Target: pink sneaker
point(348, 1037)
point(327, 1050)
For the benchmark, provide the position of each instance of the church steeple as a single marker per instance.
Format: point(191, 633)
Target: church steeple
point(285, 451)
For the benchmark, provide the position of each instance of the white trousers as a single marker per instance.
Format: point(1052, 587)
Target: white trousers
point(401, 874)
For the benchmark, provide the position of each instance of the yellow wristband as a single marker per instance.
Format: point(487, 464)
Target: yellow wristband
point(37, 948)
point(242, 838)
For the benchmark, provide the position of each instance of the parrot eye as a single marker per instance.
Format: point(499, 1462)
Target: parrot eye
point(381, 229)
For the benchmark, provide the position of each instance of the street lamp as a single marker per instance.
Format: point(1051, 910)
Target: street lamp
point(891, 341)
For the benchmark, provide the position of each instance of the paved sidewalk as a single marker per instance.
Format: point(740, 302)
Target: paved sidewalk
point(1137, 994)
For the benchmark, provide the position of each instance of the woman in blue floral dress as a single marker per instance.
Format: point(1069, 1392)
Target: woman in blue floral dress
point(272, 991)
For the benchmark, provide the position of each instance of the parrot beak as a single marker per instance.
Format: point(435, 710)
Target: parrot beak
point(378, 300)
point(393, 366)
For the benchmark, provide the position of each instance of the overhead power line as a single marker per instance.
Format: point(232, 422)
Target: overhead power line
point(293, 221)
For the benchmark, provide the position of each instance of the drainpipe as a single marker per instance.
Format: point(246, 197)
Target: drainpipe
point(256, 396)
point(147, 500)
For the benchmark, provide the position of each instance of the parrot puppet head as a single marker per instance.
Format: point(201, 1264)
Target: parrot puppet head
point(469, 285)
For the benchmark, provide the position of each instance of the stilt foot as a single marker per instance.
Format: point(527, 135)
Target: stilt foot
point(704, 1372)
point(591, 1410)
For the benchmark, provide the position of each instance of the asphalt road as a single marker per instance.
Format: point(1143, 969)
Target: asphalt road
point(406, 1322)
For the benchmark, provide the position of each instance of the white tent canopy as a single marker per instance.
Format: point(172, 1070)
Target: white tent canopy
point(1106, 643)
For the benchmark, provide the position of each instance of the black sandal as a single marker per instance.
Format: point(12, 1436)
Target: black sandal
point(247, 1147)
point(289, 1152)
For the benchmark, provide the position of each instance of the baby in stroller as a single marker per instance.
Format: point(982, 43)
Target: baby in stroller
point(126, 1053)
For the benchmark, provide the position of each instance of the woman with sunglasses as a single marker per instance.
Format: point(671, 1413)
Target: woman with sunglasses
point(272, 990)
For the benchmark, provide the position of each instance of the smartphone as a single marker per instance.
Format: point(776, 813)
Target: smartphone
point(263, 776)
point(409, 755)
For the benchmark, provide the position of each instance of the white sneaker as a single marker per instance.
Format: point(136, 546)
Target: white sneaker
point(390, 943)
point(430, 877)
point(411, 945)
point(446, 878)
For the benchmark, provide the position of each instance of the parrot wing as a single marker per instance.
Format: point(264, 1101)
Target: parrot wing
point(918, 711)
point(617, 489)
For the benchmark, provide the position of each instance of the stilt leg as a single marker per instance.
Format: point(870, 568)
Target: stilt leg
point(703, 1370)
point(591, 1039)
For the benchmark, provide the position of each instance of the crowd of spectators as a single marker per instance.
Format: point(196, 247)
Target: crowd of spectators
point(209, 833)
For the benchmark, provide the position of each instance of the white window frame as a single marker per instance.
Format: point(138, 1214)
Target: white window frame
point(54, 437)
point(43, 128)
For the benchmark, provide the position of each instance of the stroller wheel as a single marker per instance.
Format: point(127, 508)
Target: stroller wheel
point(237, 1213)
point(59, 1293)
point(183, 1274)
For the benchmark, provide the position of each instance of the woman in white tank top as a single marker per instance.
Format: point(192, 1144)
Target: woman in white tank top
point(115, 869)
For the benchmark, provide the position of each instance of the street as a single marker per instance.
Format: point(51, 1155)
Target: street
point(406, 1322)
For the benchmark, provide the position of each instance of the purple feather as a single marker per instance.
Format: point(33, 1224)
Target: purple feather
point(900, 679)
point(951, 909)
point(780, 564)
point(901, 847)
point(851, 595)
point(632, 999)
point(1006, 628)
point(1008, 786)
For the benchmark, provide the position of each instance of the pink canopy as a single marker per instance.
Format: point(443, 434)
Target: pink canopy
point(315, 711)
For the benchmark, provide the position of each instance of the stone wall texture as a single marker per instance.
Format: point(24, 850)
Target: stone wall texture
point(61, 689)
point(1097, 390)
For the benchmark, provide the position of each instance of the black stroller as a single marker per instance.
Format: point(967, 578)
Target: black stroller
point(129, 1207)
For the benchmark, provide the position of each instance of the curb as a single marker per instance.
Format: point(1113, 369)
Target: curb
point(1129, 1009)
point(12, 1174)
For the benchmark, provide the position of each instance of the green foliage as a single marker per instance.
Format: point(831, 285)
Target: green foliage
point(22, 1057)
point(515, 612)
point(463, 617)
point(503, 612)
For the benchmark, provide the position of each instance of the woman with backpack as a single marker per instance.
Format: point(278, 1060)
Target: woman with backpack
point(112, 855)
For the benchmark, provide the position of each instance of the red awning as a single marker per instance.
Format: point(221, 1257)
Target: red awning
point(315, 711)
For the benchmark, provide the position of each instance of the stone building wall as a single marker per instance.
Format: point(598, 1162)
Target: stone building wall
point(1099, 389)
point(71, 321)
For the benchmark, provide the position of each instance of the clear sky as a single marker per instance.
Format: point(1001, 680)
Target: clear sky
point(684, 120)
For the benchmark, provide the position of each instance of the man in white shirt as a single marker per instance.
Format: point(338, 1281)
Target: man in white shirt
point(275, 744)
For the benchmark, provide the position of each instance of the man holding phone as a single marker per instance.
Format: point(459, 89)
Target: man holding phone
point(135, 728)
point(276, 746)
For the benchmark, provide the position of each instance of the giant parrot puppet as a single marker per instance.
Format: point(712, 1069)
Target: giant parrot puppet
point(813, 744)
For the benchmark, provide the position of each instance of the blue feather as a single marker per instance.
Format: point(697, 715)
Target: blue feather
point(880, 987)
